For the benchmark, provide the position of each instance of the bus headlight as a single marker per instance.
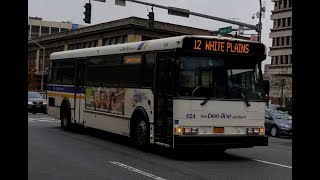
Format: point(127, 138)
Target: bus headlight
point(190, 131)
point(255, 131)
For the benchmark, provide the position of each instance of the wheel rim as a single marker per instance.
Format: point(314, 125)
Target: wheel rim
point(141, 133)
point(274, 131)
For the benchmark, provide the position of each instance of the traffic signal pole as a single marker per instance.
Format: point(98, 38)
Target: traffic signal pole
point(186, 13)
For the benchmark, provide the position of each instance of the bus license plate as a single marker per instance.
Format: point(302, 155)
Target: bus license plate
point(218, 130)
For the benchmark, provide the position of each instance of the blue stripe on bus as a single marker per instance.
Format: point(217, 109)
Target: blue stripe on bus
point(68, 89)
point(141, 45)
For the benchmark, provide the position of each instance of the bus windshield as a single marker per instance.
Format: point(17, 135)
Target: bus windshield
point(219, 77)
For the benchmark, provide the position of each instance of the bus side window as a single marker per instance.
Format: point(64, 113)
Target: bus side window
point(148, 70)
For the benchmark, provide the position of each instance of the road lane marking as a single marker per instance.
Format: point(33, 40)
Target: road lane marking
point(47, 119)
point(136, 170)
point(272, 163)
point(42, 120)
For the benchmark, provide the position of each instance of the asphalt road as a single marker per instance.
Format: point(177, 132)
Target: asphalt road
point(57, 154)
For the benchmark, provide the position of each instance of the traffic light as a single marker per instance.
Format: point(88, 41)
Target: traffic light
point(151, 20)
point(87, 13)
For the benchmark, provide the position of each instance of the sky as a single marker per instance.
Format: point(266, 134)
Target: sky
point(237, 10)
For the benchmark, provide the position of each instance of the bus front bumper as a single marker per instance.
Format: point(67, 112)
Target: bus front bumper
point(213, 142)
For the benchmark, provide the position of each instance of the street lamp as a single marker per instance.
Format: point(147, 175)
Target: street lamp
point(259, 15)
point(44, 51)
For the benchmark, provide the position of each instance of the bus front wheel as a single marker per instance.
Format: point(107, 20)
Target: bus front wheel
point(141, 135)
point(65, 118)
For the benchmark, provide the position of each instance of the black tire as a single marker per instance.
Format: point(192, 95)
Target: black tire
point(274, 132)
point(142, 132)
point(65, 118)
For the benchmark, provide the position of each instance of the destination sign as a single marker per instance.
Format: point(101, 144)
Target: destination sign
point(223, 46)
point(132, 59)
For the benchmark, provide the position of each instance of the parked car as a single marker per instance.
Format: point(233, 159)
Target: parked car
point(278, 123)
point(273, 106)
point(36, 103)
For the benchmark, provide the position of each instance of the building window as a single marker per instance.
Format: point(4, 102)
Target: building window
point(286, 60)
point(289, 21)
point(281, 60)
point(288, 40)
point(282, 41)
point(278, 43)
point(280, 4)
point(125, 39)
point(35, 31)
point(118, 40)
point(113, 41)
point(290, 59)
point(274, 23)
point(106, 42)
point(273, 41)
point(93, 44)
point(285, 4)
point(279, 23)
point(276, 57)
point(290, 3)
point(284, 22)
point(44, 30)
point(54, 30)
point(272, 60)
point(275, 5)
point(63, 29)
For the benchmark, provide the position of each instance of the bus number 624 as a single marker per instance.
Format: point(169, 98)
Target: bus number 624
point(191, 116)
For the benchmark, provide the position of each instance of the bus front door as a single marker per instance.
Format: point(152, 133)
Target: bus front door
point(163, 95)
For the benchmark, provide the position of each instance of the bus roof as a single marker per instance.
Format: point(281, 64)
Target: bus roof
point(149, 45)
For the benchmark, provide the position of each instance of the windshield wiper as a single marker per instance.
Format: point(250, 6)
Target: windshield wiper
point(205, 101)
point(195, 90)
point(245, 99)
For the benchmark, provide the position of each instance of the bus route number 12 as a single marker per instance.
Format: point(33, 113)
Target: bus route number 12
point(197, 45)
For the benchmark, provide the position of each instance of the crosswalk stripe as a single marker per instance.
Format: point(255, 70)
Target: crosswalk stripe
point(42, 120)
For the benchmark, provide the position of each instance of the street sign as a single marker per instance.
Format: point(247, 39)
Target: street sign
point(225, 30)
point(178, 12)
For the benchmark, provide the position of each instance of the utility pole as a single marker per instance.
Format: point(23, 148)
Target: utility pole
point(282, 87)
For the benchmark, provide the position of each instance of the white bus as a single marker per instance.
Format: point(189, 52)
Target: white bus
point(180, 92)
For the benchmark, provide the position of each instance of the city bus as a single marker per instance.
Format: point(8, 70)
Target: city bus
point(184, 92)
